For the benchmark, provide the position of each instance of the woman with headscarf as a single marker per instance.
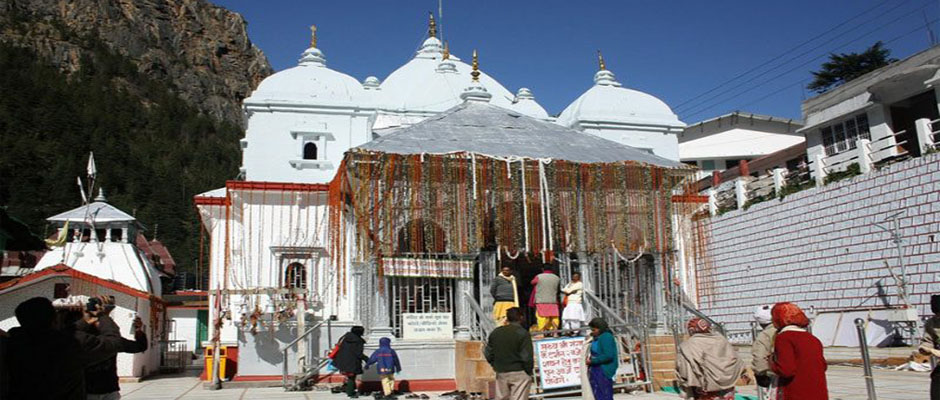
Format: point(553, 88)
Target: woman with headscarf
point(600, 362)
point(350, 356)
point(707, 366)
point(798, 356)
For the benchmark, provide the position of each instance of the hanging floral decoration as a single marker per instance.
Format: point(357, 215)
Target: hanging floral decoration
point(460, 203)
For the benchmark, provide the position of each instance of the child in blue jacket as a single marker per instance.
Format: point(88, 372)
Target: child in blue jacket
point(388, 364)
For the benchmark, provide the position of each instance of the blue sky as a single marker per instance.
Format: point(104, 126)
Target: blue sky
point(675, 50)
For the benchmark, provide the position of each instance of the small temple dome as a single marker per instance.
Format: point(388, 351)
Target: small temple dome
point(309, 82)
point(609, 101)
point(525, 103)
point(371, 83)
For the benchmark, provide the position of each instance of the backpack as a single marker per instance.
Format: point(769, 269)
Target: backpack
point(335, 350)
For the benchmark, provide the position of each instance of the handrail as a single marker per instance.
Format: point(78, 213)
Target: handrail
point(485, 321)
point(618, 320)
point(291, 344)
point(687, 304)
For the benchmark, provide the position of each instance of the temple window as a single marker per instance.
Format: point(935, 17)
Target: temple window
point(310, 151)
point(419, 295)
point(295, 276)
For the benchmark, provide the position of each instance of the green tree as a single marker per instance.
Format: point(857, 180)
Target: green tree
point(844, 67)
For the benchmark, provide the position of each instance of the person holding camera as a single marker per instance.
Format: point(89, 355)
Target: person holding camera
point(48, 362)
point(101, 379)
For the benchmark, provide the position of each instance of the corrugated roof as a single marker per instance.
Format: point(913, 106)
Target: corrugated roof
point(97, 211)
point(494, 131)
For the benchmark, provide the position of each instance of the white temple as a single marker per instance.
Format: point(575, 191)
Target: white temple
point(301, 120)
point(270, 266)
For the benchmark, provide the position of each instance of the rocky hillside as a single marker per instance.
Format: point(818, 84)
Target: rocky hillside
point(199, 50)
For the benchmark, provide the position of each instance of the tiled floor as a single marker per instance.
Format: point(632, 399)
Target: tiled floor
point(845, 383)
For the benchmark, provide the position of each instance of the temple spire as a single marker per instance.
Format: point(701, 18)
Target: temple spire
point(476, 67)
point(313, 36)
point(432, 25)
point(600, 61)
point(446, 55)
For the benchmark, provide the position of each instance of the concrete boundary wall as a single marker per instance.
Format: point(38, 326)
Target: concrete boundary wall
point(819, 247)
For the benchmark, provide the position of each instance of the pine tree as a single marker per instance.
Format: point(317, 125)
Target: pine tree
point(844, 67)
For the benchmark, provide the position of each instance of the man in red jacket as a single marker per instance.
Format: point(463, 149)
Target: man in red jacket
point(798, 356)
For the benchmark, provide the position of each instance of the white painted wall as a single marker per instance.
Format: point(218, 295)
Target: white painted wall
point(276, 136)
point(819, 248)
point(184, 326)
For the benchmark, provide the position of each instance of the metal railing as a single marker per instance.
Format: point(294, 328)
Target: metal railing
point(481, 323)
point(286, 348)
point(619, 321)
point(174, 356)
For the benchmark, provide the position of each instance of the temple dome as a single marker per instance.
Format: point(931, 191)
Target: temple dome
point(310, 82)
point(609, 101)
point(525, 104)
point(421, 86)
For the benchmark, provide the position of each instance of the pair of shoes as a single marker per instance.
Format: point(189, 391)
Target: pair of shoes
point(424, 397)
point(412, 396)
point(354, 396)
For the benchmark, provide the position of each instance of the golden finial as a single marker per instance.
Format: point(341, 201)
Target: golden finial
point(476, 67)
point(313, 36)
point(600, 60)
point(432, 25)
point(446, 55)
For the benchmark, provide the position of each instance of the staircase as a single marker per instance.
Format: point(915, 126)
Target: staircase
point(310, 372)
point(473, 373)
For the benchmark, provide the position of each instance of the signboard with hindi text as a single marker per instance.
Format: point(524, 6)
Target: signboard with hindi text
point(559, 362)
point(427, 326)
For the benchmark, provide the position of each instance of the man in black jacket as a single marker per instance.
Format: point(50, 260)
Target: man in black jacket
point(509, 352)
point(48, 363)
point(101, 379)
point(349, 358)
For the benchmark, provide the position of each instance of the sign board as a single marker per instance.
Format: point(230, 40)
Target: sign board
point(559, 362)
point(428, 268)
point(427, 326)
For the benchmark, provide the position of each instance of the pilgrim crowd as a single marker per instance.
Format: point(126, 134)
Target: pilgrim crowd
point(787, 360)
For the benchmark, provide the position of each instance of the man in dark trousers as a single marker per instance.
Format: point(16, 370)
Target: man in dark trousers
point(509, 352)
point(48, 363)
point(930, 344)
point(349, 358)
point(101, 379)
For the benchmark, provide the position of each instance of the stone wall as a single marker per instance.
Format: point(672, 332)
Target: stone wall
point(819, 247)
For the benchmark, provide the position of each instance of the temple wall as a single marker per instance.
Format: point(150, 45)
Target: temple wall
point(819, 247)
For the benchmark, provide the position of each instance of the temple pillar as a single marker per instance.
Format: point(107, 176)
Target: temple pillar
point(462, 310)
point(380, 324)
point(658, 322)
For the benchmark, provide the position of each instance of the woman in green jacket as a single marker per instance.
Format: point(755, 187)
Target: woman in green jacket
point(602, 364)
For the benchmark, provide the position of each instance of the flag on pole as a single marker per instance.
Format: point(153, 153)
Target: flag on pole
point(81, 189)
point(92, 171)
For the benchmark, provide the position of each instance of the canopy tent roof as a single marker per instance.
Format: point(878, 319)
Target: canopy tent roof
point(484, 129)
point(480, 176)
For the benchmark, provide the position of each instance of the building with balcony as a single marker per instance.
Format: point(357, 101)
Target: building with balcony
point(883, 116)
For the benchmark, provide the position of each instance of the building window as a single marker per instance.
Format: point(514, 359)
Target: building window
point(310, 151)
point(419, 295)
point(843, 135)
point(731, 163)
point(708, 165)
point(116, 235)
point(60, 291)
point(295, 276)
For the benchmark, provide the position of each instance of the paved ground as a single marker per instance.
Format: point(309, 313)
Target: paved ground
point(845, 383)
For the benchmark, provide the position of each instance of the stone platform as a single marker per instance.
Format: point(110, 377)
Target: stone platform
point(845, 383)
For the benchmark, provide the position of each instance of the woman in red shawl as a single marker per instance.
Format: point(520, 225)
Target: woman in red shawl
point(798, 356)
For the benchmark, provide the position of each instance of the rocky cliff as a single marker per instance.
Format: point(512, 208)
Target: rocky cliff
point(199, 50)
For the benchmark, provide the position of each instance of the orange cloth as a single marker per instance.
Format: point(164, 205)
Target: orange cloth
point(785, 314)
